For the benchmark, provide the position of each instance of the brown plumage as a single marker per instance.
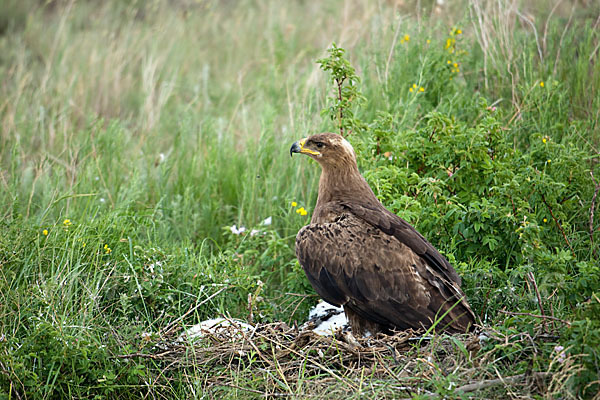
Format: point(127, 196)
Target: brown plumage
point(358, 254)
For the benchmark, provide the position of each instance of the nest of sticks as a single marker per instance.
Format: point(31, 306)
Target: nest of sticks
point(286, 358)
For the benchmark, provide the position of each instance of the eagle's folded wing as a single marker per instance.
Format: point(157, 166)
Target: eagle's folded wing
point(353, 263)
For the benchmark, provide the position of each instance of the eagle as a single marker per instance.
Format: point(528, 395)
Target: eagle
point(359, 255)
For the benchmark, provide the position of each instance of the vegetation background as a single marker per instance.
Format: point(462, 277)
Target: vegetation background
point(140, 138)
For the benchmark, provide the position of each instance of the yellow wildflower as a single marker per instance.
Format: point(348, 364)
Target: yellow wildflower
point(107, 249)
point(421, 89)
point(67, 222)
point(411, 90)
point(448, 62)
point(45, 232)
point(301, 211)
point(458, 31)
point(294, 204)
point(549, 160)
point(406, 38)
point(544, 140)
point(545, 220)
point(455, 65)
point(428, 41)
point(542, 84)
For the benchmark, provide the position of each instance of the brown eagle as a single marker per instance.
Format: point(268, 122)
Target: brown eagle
point(359, 255)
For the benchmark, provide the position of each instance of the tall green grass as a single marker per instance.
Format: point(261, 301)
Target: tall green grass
point(153, 127)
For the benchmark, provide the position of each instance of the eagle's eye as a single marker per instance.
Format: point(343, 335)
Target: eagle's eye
point(319, 145)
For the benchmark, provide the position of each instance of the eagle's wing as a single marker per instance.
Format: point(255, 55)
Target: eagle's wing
point(380, 217)
point(351, 262)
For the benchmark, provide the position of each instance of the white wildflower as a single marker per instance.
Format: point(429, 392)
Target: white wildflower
point(237, 231)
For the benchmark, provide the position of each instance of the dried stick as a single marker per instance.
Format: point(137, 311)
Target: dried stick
point(471, 387)
point(531, 278)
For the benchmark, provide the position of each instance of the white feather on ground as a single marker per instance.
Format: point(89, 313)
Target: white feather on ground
point(323, 319)
point(214, 326)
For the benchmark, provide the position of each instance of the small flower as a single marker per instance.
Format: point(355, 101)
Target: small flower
point(267, 221)
point(254, 232)
point(67, 222)
point(411, 90)
point(301, 211)
point(237, 231)
point(560, 350)
point(83, 244)
point(414, 85)
point(458, 31)
point(294, 204)
point(428, 41)
point(406, 38)
point(542, 84)
point(548, 161)
point(421, 89)
point(545, 220)
point(455, 65)
point(45, 232)
point(107, 249)
point(448, 62)
point(544, 140)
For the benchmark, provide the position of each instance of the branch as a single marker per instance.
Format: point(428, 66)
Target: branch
point(531, 278)
point(340, 83)
point(471, 387)
point(559, 225)
point(537, 316)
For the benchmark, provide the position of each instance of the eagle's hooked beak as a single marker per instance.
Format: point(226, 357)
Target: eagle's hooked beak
point(298, 147)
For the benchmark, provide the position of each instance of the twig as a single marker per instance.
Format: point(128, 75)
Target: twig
point(592, 207)
point(471, 387)
point(531, 278)
point(340, 83)
point(170, 326)
point(558, 224)
point(158, 356)
point(537, 316)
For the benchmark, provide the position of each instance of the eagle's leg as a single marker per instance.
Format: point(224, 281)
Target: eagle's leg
point(362, 327)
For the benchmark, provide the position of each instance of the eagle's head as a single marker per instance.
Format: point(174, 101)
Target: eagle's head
point(328, 149)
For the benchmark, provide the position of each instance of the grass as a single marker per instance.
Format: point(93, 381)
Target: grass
point(135, 134)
